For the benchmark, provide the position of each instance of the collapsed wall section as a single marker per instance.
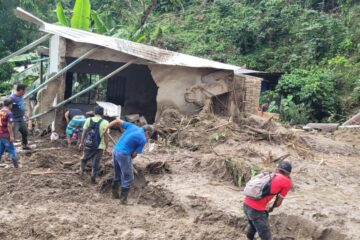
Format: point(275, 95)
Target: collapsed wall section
point(173, 82)
point(54, 91)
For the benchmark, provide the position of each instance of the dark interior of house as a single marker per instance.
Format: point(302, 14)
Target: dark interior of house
point(133, 88)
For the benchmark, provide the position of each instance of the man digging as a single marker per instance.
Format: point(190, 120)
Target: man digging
point(258, 193)
point(94, 141)
point(130, 144)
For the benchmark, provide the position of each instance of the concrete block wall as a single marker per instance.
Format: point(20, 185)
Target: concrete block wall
point(247, 93)
point(253, 89)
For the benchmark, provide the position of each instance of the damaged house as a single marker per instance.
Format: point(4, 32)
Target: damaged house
point(85, 67)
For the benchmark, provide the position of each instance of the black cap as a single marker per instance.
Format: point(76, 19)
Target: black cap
point(285, 166)
point(99, 111)
point(7, 102)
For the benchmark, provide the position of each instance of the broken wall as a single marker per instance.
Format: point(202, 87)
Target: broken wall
point(173, 83)
point(54, 91)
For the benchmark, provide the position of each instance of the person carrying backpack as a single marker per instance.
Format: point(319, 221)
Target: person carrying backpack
point(259, 191)
point(94, 141)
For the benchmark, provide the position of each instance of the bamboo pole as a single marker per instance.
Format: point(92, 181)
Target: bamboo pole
point(26, 48)
point(86, 89)
point(88, 53)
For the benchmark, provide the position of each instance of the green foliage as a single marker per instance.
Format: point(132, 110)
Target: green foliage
point(315, 43)
point(307, 95)
point(81, 15)
point(294, 113)
point(100, 27)
point(61, 15)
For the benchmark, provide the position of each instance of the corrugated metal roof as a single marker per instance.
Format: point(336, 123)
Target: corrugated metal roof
point(152, 54)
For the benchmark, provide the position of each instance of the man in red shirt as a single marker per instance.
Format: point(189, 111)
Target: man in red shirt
point(6, 131)
point(256, 210)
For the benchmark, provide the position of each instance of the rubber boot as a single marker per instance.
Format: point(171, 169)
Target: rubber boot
point(124, 195)
point(115, 190)
point(16, 165)
point(93, 180)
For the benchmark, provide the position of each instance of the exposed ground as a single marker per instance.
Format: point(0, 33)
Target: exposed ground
point(187, 186)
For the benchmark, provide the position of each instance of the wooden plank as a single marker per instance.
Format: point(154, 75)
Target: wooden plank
point(37, 173)
point(26, 16)
point(325, 127)
point(355, 120)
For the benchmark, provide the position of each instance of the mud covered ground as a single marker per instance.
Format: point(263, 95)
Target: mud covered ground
point(189, 186)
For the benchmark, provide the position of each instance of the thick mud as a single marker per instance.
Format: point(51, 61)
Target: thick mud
point(182, 192)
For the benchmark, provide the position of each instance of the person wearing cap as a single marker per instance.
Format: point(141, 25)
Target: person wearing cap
point(6, 132)
point(257, 211)
point(72, 112)
point(18, 110)
point(94, 153)
point(130, 144)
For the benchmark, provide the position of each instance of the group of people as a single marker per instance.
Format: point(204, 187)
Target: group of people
point(12, 121)
point(92, 134)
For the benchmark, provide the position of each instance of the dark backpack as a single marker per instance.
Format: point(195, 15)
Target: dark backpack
point(92, 137)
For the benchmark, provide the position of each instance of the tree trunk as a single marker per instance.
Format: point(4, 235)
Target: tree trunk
point(147, 13)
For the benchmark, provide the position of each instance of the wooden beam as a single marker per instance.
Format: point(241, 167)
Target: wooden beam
point(26, 16)
point(86, 89)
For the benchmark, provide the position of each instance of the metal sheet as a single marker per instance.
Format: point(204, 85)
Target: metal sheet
point(142, 51)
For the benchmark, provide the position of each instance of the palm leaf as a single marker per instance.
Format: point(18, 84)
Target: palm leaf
point(99, 24)
point(61, 15)
point(140, 38)
point(81, 15)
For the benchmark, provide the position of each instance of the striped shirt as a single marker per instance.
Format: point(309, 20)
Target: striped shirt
point(76, 123)
point(6, 117)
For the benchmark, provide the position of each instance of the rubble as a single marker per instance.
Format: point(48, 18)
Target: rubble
point(188, 184)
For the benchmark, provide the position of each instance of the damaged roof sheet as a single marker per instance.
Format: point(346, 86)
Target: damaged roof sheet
point(152, 54)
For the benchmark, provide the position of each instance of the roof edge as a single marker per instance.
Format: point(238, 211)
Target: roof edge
point(26, 16)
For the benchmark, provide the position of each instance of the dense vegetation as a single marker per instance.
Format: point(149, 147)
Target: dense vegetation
point(314, 43)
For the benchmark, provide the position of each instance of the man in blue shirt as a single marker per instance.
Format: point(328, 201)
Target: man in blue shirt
point(18, 111)
point(126, 149)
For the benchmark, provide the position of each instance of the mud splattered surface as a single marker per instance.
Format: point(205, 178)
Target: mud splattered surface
point(187, 192)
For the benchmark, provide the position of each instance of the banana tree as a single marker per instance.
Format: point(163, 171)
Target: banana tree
point(82, 17)
point(86, 19)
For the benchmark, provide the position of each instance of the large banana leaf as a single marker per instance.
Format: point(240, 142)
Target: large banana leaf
point(61, 15)
point(81, 15)
point(99, 24)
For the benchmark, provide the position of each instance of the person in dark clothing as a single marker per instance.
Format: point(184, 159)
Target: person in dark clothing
point(72, 112)
point(257, 212)
point(6, 132)
point(18, 111)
